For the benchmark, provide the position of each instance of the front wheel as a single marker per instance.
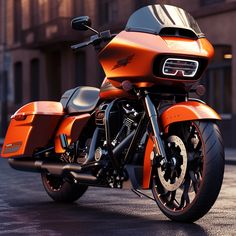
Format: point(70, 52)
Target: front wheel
point(186, 187)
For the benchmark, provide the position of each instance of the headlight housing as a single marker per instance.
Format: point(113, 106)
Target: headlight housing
point(180, 67)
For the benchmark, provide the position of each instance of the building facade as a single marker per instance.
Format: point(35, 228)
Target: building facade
point(217, 19)
point(38, 64)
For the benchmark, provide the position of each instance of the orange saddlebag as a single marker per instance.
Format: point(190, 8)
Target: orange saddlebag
point(31, 127)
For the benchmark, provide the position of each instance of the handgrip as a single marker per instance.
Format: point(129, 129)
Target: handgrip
point(76, 47)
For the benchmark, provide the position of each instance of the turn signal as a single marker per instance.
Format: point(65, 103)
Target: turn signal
point(127, 85)
point(200, 90)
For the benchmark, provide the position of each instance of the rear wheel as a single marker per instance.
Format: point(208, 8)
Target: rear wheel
point(61, 190)
point(187, 186)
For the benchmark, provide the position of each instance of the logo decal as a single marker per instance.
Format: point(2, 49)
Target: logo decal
point(123, 62)
point(12, 147)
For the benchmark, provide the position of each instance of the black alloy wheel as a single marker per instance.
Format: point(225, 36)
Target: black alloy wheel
point(187, 186)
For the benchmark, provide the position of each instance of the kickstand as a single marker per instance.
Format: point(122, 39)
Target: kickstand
point(141, 194)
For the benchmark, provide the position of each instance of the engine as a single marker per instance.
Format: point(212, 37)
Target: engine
point(123, 119)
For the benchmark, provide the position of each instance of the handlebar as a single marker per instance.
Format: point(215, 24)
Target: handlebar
point(95, 40)
point(76, 47)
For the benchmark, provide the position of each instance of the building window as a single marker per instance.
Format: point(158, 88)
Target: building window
point(17, 14)
point(108, 11)
point(34, 12)
point(142, 3)
point(80, 69)
point(209, 2)
point(78, 7)
point(54, 8)
point(218, 80)
point(34, 79)
point(18, 82)
point(53, 67)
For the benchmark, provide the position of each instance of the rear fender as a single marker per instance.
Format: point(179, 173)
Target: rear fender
point(184, 111)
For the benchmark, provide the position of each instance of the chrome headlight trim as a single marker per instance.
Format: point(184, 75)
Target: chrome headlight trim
point(173, 66)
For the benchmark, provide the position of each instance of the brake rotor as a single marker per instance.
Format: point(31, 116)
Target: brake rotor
point(173, 173)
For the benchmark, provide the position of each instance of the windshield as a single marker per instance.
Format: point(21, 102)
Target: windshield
point(154, 18)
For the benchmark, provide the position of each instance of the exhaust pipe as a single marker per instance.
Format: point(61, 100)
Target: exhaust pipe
point(61, 168)
point(84, 178)
point(53, 168)
point(38, 166)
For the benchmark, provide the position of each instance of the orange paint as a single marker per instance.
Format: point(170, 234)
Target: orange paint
point(147, 168)
point(184, 111)
point(108, 91)
point(31, 127)
point(179, 112)
point(130, 56)
point(71, 126)
point(40, 108)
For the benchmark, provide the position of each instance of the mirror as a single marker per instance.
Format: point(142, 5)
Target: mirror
point(82, 23)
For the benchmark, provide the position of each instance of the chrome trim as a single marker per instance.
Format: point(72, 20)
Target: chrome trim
point(175, 65)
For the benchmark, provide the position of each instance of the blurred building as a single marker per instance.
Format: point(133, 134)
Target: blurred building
point(35, 39)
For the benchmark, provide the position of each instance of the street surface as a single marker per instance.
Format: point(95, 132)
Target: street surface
point(25, 209)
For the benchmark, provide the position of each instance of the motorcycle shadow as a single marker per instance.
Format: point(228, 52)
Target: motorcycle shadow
point(49, 218)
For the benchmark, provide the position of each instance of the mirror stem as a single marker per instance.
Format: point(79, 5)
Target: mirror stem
point(90, 28)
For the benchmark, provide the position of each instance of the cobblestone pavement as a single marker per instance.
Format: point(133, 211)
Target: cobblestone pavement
point(25, 209)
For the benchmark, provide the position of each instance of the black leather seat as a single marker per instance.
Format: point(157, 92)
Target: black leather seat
point(80, 99)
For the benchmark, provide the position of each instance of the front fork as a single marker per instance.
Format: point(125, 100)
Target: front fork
point(156, 134)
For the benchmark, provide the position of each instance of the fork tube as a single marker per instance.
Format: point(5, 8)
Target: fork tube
point(152, 114)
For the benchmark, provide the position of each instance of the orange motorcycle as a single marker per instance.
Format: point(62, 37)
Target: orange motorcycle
point(141, 130)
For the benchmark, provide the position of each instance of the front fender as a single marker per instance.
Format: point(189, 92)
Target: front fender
point(183, 111)
point(187, 111)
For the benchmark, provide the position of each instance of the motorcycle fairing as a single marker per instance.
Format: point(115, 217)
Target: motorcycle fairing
point(137, 52)
point(108, 91)
point(158, 18)
point(31, 127)
point(183, 111)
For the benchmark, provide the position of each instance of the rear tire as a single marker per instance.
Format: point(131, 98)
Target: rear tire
point(60, 190)
point(204, 172)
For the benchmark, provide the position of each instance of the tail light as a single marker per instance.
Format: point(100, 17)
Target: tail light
point(180, 67)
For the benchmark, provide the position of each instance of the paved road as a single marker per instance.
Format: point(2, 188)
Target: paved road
point(25, 209)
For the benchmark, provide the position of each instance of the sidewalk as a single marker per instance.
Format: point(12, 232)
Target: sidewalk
point(230, 156)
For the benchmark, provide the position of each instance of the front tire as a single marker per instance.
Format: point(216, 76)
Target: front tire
point(61, 190)
point(192, 198)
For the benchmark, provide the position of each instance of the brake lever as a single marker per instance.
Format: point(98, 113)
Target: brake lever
point(94, 40)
